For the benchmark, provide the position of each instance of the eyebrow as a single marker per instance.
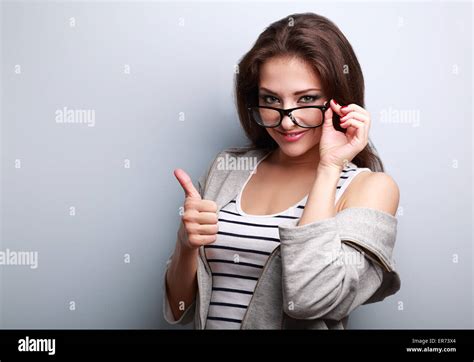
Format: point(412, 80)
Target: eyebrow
point(296, 93)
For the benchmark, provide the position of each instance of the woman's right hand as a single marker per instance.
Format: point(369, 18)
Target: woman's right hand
point(199, 216)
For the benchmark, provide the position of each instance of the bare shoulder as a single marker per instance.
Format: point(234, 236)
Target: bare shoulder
point(376, 190)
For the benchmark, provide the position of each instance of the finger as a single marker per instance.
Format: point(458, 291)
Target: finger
point(186, 183)
point(361, 134)
point(207, 218)
point(360, 117)
point(354, 107)
point(336, 107)
point(200, 205)
point(197, 240)
point(328, 117)
point(206, 206)
point(356, 115)
point(353, 122)
point(207, 229)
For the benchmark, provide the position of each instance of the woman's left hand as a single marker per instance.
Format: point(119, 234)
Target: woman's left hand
point(336, 147)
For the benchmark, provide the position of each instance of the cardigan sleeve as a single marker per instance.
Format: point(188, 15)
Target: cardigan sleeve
point(189, 312)
point(331, 266)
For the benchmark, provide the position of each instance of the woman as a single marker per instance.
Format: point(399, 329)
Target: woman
point(307, 236)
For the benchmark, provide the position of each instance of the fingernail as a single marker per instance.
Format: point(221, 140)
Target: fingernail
point(335, 102)
point(343, 107)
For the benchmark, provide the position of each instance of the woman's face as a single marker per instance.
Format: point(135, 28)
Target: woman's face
point(288, 83)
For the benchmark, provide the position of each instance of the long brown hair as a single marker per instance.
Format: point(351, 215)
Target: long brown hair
point(319, 42)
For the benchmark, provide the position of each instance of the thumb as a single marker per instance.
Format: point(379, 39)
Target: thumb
point(328, 117)
point(186, 183)
point(334, 108)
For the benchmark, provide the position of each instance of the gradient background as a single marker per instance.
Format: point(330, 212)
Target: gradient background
point(175, 109)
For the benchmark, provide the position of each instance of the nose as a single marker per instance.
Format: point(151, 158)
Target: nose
point(287, 124)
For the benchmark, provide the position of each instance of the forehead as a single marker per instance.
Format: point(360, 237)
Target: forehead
point(288, 75)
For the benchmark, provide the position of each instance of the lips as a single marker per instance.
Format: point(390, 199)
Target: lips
point(291, 134)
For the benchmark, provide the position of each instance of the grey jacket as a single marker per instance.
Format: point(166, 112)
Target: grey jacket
point(307, 281)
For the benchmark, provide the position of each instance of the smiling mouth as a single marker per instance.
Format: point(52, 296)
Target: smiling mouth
point(291, 133)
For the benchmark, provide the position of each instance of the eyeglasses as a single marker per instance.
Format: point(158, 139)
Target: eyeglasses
point(305, 117)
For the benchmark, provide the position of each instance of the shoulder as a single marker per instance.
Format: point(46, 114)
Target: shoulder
point(245, 152)
point(224, 160)
point(230, 152)
point(376, 190)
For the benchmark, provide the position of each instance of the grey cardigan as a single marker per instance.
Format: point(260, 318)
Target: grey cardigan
point(300, 287)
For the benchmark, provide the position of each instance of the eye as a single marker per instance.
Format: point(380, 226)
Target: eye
point(310, 99)
point(269, 99)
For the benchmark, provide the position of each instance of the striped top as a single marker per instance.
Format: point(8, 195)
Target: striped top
point(244, 243)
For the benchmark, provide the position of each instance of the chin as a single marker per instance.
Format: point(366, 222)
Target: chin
point(295, 149)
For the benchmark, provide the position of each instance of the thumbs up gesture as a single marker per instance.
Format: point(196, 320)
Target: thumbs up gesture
point(199, 217)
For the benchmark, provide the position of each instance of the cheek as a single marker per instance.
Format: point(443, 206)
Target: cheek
point(313, 137)
point(273, 134)
point(316, 136)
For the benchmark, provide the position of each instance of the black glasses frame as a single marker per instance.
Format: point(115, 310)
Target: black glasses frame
point(287, 112)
